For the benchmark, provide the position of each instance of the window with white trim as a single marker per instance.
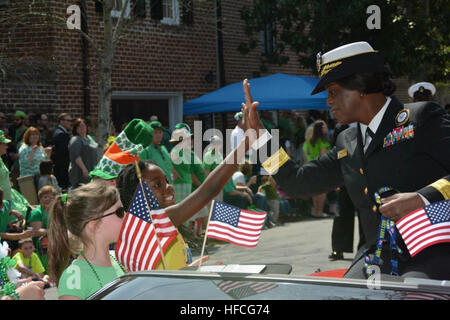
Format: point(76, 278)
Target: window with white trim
point(171, 12)
point(117, 8)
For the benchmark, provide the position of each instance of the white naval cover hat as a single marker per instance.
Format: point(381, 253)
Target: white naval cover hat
point(424, 85)
point(346, 60)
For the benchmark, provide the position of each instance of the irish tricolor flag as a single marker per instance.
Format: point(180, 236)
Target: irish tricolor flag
point(125, 149)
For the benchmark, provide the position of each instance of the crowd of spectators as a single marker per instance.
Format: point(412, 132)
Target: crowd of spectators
point(59, 161)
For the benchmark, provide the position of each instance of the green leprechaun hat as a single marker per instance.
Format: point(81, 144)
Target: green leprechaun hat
point(125, 149)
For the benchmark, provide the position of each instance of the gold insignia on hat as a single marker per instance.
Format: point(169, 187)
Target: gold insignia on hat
point(319, 61)
point(328, 67)
point(275, 162)
point(402, 117)
point(342, 153)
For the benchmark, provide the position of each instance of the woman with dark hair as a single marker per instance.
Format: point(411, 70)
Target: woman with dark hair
point(312, 149)
point(83, 152)
point(180, 212)
point(393, 162)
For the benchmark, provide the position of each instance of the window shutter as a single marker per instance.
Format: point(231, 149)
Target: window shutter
point(188, 12)
point(156, 9)
point(139, 8)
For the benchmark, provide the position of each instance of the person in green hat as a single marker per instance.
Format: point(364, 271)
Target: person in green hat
point(183, 125)
point(19, 127)
point(181, 161)
point(158, 152)
point(125, 149)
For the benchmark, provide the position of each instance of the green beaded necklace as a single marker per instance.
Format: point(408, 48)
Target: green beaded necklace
point(95, 272)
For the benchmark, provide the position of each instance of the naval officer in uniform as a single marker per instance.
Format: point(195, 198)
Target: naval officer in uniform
point(403, 148)
point(422, 91)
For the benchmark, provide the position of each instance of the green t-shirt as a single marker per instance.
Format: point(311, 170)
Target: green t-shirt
point(267, 124)
point(197, 169)
point(313, 152)
point(184, 168)
point(33, 262)
point(230, 186)
point(79, 280)
point(19, 203)
point(212, 159)
point(161, 156)
point(5, 184)
point(4, 216)
point(39, 214)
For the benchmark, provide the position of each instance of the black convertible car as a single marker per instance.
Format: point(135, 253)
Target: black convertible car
point(273, 282)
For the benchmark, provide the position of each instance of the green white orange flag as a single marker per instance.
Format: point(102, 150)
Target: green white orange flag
point(125, 149)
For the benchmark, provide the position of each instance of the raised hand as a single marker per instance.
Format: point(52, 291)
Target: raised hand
point(249, 112)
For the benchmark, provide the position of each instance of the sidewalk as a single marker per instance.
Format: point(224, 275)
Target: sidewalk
point(304, 244)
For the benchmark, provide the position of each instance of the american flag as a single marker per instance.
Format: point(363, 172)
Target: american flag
point(243, 289)
point(426, 226)
point(137, 248)
point(232, 224)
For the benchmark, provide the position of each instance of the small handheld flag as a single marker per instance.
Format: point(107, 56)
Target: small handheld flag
point(139, 247)
point(425, 227)
point(234, 225)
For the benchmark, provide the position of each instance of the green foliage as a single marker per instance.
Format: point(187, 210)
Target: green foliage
point(413, 39)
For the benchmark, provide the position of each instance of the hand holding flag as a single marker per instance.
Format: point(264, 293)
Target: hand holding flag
point(425, 227)
point(139, 247)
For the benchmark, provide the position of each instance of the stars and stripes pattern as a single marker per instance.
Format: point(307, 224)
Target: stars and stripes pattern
point(243, 289)
point(234, 225)
point(137, 248)
point(425, 227)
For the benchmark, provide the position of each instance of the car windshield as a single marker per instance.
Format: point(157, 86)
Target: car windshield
point(178, 285)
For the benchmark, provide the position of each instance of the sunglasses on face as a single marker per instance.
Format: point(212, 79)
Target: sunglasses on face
point(120, 212)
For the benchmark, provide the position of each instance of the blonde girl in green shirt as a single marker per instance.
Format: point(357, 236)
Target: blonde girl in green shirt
point(92, 213)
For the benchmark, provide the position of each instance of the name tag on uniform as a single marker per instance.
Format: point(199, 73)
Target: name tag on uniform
point(342, 153)
point(398, 135)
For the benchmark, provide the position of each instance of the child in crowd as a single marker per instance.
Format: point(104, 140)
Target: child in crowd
point(39, 221)
point(47, 178)
point(92, 213)
point(178, 254)
point(28, 262)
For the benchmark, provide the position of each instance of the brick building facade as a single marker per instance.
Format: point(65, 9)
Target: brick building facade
point(157, 66)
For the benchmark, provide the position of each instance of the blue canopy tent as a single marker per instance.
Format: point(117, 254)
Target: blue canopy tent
point(275, 92)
